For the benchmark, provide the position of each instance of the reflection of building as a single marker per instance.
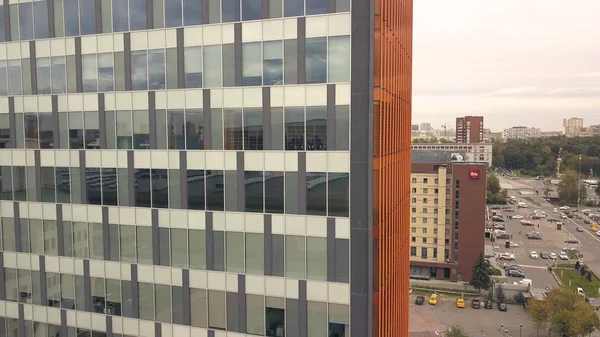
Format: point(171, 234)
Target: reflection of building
point(471, 153)
point(521, 132)
point(446, 239)
point(469, 129)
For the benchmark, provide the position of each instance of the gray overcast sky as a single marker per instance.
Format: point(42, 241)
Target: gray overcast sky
point(516, 62)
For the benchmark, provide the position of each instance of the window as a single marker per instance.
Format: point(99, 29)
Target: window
point(192, 13)
point(233, 129)
point(294, 128)
point(414, 190)
point(316, 258)
point(217, 315)
point(173, 13)
point(253, 129)
point(230, 10)
point(436, 181)
point(413, 220)
point(424, 240)
point(254, 253)
point(413, 251)
point(424, 230)
point(413, 229)
point(423, 253)
point(425, 180)
point(211, 65)
point(272, 62)
point(414, 180)
point(251, 10)
point(252, 64)
point(425, 200)
point(316, 60)
point(413, 210)
point(425, 191)
point(193, 66)
point(424, 220)
point(275, 316)
point(413, 239)
point(295, 256)
point(235, 252)
point(338, 57)
point(316, 128)
point(316, 193)
point(255, 309)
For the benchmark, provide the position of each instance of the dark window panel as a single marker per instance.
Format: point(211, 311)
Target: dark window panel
point(24, 281)
point(143, 245)
point(93, 182)
point(15, 84)
point(291, 192)
point(59, 75)
point(160, 188)
point(113, 297)
point(44, 79)
point(174, 187)
point(137, 14)
point(199, 311)
point(316, 193)
point(277, 129)
point(98, 295)
point(40, 16)
point(120, 11)
point(292, 319)
point(275, 9)
point(216, 128)
point(173, 13)
point(8, 234)
point(26, 69)
point(4, 130)
point(253, 129)
point(19, 183)
point(219, 250)
point(342, 261)
point(171, 68)
point(24, 235)
point(338, 194)
point(196, 190)
point(126, 300)
point(32, 183)
point(273, 62)
point(123, 183)
point(215, 188)
point(2, 29)
point(275, 316)
point(3, 78)
point(192, 12)
point(75, 130)
point(316, 128)
point(217, 314)
point(230, 10)
point(109, 187)
point(164, 240)
point(76, 180)
point(252, 63)
point(342, 127)
point(48, 184)
point(113, 238)
point(254, 191)
point(26, 21)
point(71, 17)
point(6, 183)
point(46, 130)
point(143, 187)
point(156, 69)
point(293, 8)
point(14, 22)
point(176, 129)
point(63, 185)
point(11, 287)
point(274, 192)
point(231, 192)
point(87, 16)
point(161, 129)
point(316, 60)
point(111, 129)
point(89, 72)
point(228, 65)
point(316, 7)
point(92, 130)
point(31, 130)
point(71, 74)
point(177, 305)
point(63, 130)
point(193, 67)
point(233, 129)
point(119, 71)
point(194, 129)
point(294, 128)
point(251, 10)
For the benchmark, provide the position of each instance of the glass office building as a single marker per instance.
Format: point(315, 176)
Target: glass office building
point(173, 168)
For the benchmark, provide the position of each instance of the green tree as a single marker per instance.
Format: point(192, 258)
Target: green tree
point(481, 274)
point(456, 331)
point(493, 183)
point(564, 313)
point(500, 294)
point(570, 190)
point(538, 312)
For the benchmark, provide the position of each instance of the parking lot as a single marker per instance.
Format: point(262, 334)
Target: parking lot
point(553, 241)
point(426, 319)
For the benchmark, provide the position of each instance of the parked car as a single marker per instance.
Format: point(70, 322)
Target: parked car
point(499, 226)
point(533, 254)
point(502, 306)
point(475, 304)
point(587, 222)
point(579, 229)
point(563, 256)
point(513, 244)
point(488, 304)
point(515, 273)
point(434, 299)
point(460, 302)
point(507, 256)
point(572, 240)
point(555, 210)
point(534, 236)
point(420, 300)
point(497, 218)
point(564, 208)
point(553, 256)
point(544, 256)
point(517, 216)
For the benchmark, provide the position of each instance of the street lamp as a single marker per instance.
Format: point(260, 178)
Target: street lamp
point(521, 330)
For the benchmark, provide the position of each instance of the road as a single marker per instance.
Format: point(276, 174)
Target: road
point(589, 242)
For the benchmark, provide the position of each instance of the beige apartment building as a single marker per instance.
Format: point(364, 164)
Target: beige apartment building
point(573, 126)
point(428, 216)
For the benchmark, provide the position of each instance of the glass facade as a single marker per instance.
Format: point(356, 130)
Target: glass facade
point(175, 163)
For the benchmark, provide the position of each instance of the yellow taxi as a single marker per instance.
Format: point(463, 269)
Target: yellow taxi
point(460, 303)
point(434, 299)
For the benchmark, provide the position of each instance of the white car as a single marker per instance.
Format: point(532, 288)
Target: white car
point(598, 233)
point(563, 216)
point(507, 256)
point(587, 210)
point(534, 255)
point(555, 210)
point(513, 245)
point(563, 256)
point(565, 208)
point(517, 216)
point(552, 256)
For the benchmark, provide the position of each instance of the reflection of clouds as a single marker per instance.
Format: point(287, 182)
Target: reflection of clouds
point(139, 70)
point(173, 13)
point(252, 63)
point(273, 62)
point(120, 13)
point(339, 59)
point(316, 60)
point(137, 14)
point(156, 68)
point(43, 75)
point(89, 72)
point(212, 66)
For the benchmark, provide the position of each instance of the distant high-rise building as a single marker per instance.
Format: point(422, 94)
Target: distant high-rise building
point(469, 129)
point(426, 127)
point(521, 132)
point(415, 127)
point(573, 126)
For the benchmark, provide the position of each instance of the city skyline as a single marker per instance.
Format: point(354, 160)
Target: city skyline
point(502, 70)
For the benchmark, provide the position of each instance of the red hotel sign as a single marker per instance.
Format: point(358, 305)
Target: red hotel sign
point(473, 174)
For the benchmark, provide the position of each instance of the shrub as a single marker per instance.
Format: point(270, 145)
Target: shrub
point(583, 271)
point(588, 276)
point(519, 298)
point(577, 265)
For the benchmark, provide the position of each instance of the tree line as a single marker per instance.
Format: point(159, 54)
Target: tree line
point(538, 156)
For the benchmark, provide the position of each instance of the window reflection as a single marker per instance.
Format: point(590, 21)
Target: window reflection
point(215, 187)
point(230, 10)
point(120, 14)
point(251, 10)
point(232, 119)
point(139, 70)
point(71, 17)
point(40, 18)
point(192, 12)
point(176, 129)
point(316, 7)
point(212, 66)
point(316, 128)
point(156, 68)
point(173, 13)
point(252, 64)
point(316, 60)
point(14, 77)
point(44, 79)
point(253, 129)
point(141, 130)
point(194, 130)
point(3, 78)
point(196, 190)
point(338, 194)
point(293, 8)
point(89, 73)
point(316, 193)
point(137, 15)
point(26, 21)
point(193, 67)
point(59, 77)
point(254, 191)
point(294, 128)
point(124, 130)
point(87, 16)
point(105, 72)
point(273, 63)
point(338, 58)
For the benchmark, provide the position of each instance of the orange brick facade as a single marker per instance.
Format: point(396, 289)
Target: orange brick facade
point(391, 165)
